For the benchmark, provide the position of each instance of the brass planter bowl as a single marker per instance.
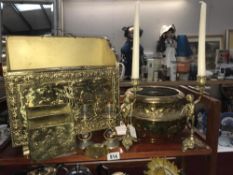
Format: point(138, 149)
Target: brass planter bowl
point(158, 110)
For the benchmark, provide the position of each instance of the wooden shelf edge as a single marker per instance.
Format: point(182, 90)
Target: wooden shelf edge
point(176, 83)
point(126, 156)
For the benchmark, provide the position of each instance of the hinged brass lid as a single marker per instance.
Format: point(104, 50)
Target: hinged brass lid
point(38, 52)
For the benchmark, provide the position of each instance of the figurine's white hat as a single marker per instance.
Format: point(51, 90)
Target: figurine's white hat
point(166, 28)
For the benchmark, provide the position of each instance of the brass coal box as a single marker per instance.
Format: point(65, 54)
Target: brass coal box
point(158, 111)
point(48, 80)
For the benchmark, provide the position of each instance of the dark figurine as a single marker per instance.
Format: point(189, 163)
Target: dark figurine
point(126, 51)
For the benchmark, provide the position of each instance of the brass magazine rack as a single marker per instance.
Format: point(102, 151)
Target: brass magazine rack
point(48, 80)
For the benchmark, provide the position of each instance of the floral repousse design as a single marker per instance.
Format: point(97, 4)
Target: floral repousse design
point(28, 90)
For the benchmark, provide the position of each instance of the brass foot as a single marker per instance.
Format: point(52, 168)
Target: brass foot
point(84, 140)
point(128, 140)
point(111, 141)
point(188, 143)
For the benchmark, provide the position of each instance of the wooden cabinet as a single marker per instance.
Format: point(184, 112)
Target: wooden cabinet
point(141, 152)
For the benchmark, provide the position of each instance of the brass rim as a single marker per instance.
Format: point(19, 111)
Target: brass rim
point(156, 99)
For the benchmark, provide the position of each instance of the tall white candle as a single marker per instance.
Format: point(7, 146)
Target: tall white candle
point(136, 41)
point(201, 41)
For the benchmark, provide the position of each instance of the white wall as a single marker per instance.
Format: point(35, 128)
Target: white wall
point(107, 17)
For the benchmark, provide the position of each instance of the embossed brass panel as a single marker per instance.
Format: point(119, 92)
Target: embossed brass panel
point(52, 115)
point(48, 142)
point(46, 98)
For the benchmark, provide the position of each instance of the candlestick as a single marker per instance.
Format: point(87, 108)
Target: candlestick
point(201, 41)
point(135, 59)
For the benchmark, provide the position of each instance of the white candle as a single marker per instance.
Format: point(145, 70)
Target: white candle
point(136, 41)
point(201, 41)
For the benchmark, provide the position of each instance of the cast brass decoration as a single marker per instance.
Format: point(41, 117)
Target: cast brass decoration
point(128, 140)
point(43, 171)
point(191, 142)
point(161, 166)
point(49, 142)
point(155, 110)
point(45, 98)
point(158, 103)
point(28, 90)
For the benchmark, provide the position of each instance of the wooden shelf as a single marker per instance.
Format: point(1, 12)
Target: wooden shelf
point(177, 83)
point(139, 151)
point(143, 150)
